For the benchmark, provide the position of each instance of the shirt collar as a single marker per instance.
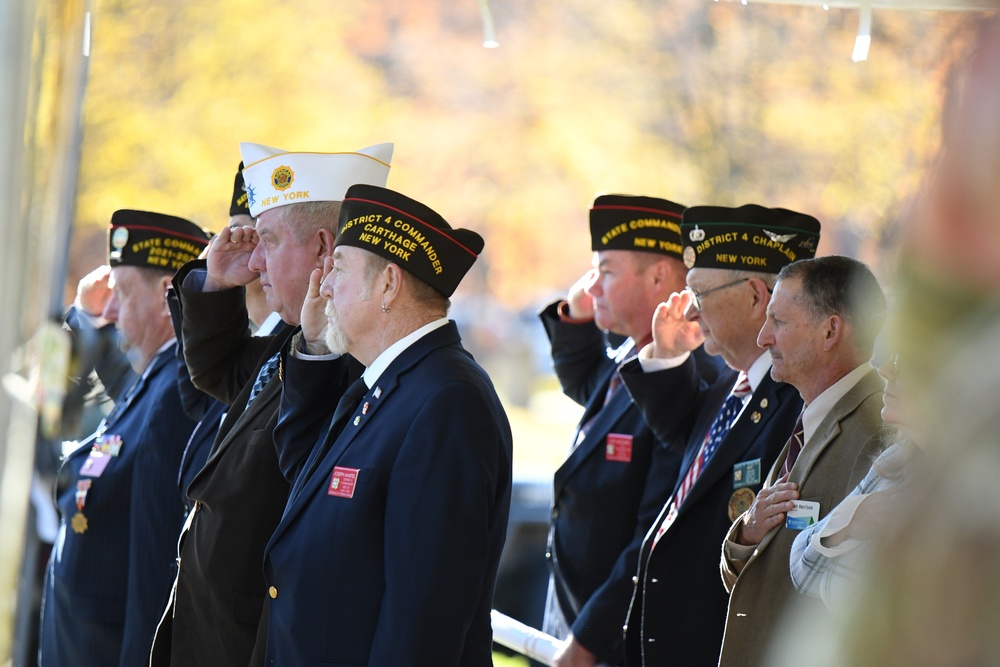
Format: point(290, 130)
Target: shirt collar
point(373, 372)
point(817, 411)
point(758, 369)
point(268, 326)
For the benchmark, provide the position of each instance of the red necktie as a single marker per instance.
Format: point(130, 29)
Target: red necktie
point(613, 386)
point(795, 443)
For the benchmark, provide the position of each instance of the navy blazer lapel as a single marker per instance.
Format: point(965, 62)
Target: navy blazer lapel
point(265, 401)
point(237, 420)
point(715, 396)
point(765, 403)
point(384, 387)
point(606, 417)
point(870, 383)
point(141, 385)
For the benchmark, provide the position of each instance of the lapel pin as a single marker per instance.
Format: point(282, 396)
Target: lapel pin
point(763, 403)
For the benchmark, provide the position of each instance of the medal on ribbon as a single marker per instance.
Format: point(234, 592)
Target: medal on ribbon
point(79, 521)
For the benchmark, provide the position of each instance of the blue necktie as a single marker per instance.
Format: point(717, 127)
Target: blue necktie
point(724, 420)
point(720, 427)
point(266, 371)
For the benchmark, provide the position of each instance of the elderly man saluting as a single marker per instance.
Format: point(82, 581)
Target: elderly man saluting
point(734, 428)
point(388, 548)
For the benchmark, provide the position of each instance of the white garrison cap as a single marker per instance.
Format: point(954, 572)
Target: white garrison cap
point(275, 177)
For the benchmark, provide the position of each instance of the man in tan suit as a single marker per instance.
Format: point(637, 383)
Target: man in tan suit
point(820, 329)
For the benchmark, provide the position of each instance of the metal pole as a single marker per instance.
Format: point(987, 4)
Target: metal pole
point(16, 29)
point(42, 82)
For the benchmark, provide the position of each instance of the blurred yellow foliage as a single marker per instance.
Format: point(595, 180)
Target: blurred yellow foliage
point(695, 101)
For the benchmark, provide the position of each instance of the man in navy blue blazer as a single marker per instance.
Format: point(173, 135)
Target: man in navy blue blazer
point(388, 549)
point(733, 428)
point(617, 474)
point(110, 571)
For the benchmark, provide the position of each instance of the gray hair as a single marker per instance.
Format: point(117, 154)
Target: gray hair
point(842, 286)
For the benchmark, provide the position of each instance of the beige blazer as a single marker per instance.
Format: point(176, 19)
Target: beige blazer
point(831, 464)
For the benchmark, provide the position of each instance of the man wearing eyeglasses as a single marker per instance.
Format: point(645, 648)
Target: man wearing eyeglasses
point(734, 428)
point(617, 475)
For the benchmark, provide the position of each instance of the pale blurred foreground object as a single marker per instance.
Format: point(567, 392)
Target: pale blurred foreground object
point(931, 597)
point(524, 639)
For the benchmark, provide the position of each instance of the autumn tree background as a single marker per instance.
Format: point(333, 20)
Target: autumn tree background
point(701, 102)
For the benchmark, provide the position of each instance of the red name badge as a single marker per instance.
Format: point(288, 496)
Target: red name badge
point(618, 447)
point(342, 483)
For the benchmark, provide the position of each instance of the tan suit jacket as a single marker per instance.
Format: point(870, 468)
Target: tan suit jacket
point(831, 464)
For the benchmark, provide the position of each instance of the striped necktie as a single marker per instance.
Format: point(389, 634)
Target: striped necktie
point(795, 444)
point(614, 386)
point(266, 371)
point(720, 427)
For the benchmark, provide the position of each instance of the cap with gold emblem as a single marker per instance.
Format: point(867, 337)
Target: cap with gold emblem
point(409, 234)
point(748, 238)
point(627, 222)
point(153, 240)
point(275, 177)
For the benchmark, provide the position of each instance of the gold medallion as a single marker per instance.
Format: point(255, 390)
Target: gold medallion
point(740, 502)
point(79, 523)
point(755, 417)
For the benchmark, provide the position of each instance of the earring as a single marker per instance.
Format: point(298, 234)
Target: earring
point(384, 308)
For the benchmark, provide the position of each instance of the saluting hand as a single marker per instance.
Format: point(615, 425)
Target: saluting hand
point(767, 511)
point(579, 301)
point(229, 259)
point(94, 291)
point(313, 317)
point(673, 335)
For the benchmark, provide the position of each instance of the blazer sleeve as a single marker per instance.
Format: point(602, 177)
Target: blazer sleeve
point(98, 350)
point(734, 556)
point(95, 350)
point(579, 354)
point(196, 402)
point(220, 353)
point(668, 399)
point(309, 395)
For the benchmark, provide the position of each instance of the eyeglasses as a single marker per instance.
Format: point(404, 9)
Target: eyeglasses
point(696, 297)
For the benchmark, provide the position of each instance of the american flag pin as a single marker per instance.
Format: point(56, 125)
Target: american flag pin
point(378, 392)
